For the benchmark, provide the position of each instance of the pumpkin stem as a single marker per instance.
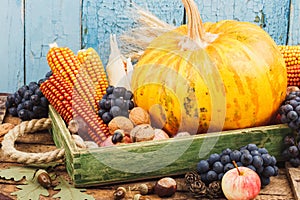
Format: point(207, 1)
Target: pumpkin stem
point(195, 24)
point(196, 30)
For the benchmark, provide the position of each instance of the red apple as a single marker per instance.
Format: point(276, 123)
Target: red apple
point(241, 183)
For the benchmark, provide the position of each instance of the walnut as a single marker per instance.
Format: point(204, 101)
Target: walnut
point(139, 116)
point(142, 132)
point(120, 122)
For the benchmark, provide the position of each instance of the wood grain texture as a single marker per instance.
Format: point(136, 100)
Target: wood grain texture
point(47, 22)
point(294, 23)
point(12, 45)
point(101, 18)
point(273, 16)
point(293, 176)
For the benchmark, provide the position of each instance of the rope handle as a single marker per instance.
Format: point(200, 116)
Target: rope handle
point(29, 158)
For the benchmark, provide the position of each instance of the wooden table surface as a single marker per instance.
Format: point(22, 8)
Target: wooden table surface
point(280, 188)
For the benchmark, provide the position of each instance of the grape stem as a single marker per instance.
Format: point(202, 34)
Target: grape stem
point(237, 168)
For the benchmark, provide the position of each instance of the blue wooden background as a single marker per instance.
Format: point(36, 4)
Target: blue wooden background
point(28, 26)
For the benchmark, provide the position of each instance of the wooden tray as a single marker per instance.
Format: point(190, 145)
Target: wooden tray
point(139, 161)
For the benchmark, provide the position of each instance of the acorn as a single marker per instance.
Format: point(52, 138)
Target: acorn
point(146, 188)
point(120, 193)
point(43, 178)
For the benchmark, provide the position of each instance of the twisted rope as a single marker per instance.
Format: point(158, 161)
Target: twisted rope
point(29, 158)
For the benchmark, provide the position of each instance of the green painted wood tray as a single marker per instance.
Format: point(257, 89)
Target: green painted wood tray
point(146, 160)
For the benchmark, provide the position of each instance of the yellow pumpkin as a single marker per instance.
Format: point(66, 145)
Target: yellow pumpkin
point(207, 77)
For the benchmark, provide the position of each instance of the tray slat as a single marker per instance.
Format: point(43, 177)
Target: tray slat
point(138, 161)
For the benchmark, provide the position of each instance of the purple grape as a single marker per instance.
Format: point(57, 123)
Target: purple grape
point(218, 167)
point(293, 151)
point(289, 140)
point(235, 155)
point(246, 159)
point(257, 161)
point(115, 111)
point(213, 158)
point(211, 176)
point(110, 89)
point(202, 166)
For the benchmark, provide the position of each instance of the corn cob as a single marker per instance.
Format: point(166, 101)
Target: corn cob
point(97, 129)
point(70, 104)
point(92, 63)
point(59, 94)
point(63, 61)
point(291, 55)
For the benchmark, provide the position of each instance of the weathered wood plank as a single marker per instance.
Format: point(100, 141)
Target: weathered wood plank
point(48, 22)
point(271, 16)
point(12, 45)
point(294, 29)
point(293, 176)
point(101, 18)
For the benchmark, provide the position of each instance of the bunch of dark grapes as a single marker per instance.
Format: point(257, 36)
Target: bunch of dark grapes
point(28, 102)
point(290, 110)
point(291, 152)
point(257, 159)
point(116, 102)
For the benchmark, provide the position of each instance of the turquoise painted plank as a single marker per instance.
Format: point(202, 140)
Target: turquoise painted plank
point(294, 32)
point(102, 18)
point(47, 22)
point(272, 16)
point(12, 45)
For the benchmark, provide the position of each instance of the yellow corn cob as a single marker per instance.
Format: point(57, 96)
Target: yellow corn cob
point(291, 55)
point(63, 61)
point(92, 64)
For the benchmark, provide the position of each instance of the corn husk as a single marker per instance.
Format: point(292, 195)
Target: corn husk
point(117, 63)
point(148, 27)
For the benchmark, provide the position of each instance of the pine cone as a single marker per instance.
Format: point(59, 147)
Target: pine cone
point(191, 177)
point(198, 188)
point(214, 189)
point(195, 185)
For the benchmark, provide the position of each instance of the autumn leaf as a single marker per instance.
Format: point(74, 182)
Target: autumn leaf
point(31, 191)
point(69, 192)
point(17, 173)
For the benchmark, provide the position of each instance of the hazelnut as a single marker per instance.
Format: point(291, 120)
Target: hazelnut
point(159, 134)
point(120, 122)
point(146, 188)
point(165, 187)
point(142, 132)
point(139, 116)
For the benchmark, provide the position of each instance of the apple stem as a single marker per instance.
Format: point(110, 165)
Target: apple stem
point(237, 168)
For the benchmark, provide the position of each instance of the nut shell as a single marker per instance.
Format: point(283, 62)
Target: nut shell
point(139, 116)
point(159, 134)
point(142, 132)
point(165, 187)
point(120, 122)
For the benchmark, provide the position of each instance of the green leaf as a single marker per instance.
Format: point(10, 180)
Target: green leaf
point(69, 192)
point(17, 173)
point(31, 191)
